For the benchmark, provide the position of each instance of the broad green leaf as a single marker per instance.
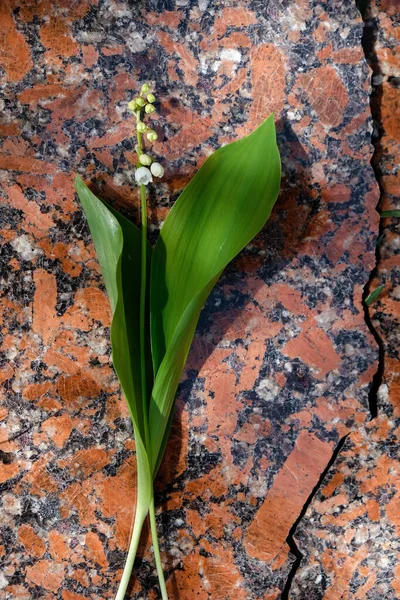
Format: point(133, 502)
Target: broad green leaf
point(219, 212)
point(374, 295)
point(167, 379)
point(117, 243)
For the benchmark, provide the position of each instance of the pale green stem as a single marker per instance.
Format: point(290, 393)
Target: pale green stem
point(142, 323)
point(134, 543)
point(156, 550)
point(142, 310)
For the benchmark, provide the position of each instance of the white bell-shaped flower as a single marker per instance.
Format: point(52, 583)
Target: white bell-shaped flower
point(157, 169)
point(143, 176)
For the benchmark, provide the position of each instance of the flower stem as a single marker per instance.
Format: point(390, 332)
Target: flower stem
point(156, 550)
point(142, 322)
point(142, 334)
point(142, 308)
point(134, 543)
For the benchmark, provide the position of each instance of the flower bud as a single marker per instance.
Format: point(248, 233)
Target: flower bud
point(145, 88)
point(145, 159)
point(151, 98)
point(140, 102)
point(157, 169)
point(149, 108)
point(132, 105)
point(143, 176)
point(151, 135)
point(141, 127)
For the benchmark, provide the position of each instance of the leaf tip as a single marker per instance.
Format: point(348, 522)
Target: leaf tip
point(78, 181)
point(374, 295)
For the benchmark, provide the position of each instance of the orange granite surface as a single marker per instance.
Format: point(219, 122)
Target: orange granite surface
point(283, 360)
point(349, 536)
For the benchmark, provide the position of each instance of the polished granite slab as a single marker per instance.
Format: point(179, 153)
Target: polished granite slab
point(283, 360)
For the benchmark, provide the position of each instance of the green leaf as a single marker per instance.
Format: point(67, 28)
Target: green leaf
point(219, 212)
point(390, 213)
point(117, 243)
point(370, 299)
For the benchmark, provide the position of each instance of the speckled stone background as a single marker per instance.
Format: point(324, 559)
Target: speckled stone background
point(349, 536)
point(283, 360)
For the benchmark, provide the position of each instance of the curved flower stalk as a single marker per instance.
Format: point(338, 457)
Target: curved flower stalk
point(156, 294)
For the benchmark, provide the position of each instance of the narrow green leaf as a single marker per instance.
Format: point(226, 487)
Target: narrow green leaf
point(219, 212)
point(117, 243)
point(370, 299)
point(390, 213)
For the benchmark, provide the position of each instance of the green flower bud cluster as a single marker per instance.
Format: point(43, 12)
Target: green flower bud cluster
point(145, 101)
point(150, 133)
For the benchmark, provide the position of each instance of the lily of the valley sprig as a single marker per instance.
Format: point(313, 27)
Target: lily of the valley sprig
point(156, 293)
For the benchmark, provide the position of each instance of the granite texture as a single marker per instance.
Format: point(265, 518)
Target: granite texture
point(350, 535)
point(282, 361)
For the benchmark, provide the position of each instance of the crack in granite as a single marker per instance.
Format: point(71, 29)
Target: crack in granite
point(367, 42)
point(290, 539)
